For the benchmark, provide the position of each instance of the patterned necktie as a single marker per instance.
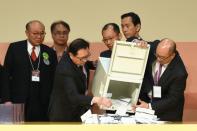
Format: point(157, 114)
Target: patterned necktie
point(157, 75)
point(85, 77)
point(82, 70)
point(33, 54)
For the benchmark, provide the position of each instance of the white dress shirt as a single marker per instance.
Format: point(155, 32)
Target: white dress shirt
point(30, 47)
point(155, 68)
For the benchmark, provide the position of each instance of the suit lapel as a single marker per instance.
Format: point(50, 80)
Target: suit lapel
point(167, 73)
point(25, 55)
point(82, 77)
point(165, 76)
point(150, 71)
point(41, 57)
point(81, 74)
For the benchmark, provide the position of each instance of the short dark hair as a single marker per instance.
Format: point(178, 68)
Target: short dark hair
point(114, 25)
point(61, 22)
point(76, 45)
point(135, 18)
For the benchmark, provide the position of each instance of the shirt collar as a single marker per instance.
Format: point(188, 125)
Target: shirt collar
point(30, 46)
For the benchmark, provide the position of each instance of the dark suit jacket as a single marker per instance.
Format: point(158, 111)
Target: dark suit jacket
point(18, 65)
point(106, 53)
point(3, 80)
point(173, 81)
point(68, 101)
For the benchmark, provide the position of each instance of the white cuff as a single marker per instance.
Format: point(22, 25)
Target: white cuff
point(149, 106)
point(91, 102)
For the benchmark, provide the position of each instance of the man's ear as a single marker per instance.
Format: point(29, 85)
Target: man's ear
point(173, 55)
point(120, 36)
point(71, 55)
point(138, 27)
point(27, 33)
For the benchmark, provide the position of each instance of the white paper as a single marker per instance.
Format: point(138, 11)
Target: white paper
point(107, 95)
point(128, 120)
point(106, 120)
point(144, 110)
point(92, 120)
point(105, 62)
point(86, 115)
point(157, 91)
point(121, 111)
point(35, 78)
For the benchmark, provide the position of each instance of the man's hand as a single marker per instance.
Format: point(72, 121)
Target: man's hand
point(7, 103)
point(142, 104)
point(141, 44)
point(102, 102)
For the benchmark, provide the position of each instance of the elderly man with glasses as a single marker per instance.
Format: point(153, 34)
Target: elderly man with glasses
point(30, 66)
point(164, 82)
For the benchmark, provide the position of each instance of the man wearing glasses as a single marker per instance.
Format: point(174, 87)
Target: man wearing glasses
point(164, 82)
point(31, 66)
point(60, 33)
point(110, 33)
point(68, 99)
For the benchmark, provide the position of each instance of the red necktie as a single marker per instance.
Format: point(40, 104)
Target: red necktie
point(33, 54)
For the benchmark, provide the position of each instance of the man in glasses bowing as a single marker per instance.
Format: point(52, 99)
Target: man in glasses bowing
point(164, 82)
point(68, 99)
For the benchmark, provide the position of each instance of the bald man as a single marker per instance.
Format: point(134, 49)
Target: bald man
point(164, 82)
point(31, 66)
point(110, 33)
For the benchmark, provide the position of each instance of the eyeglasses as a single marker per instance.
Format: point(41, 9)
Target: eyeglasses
point(162, 58)
point(41, 34)
point(83, 59)
point(58, 33)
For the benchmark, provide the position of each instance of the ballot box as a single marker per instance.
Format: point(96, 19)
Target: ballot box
point(120, 77)
point(13, 113)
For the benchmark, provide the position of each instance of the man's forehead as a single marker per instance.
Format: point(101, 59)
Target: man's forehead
point(35, 26)
point(83, 51)
point(128, 19)
point(162, 49)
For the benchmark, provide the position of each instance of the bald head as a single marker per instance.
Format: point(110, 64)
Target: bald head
point(165, 51)
point(168, 45)
point(34, 23)
point(110, 33)
point(35, 32)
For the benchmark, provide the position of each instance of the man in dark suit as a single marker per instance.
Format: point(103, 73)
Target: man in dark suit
point(68, 99)
point(31, 66)
point(3, 80)
point(164, 82)
point(110, 33)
